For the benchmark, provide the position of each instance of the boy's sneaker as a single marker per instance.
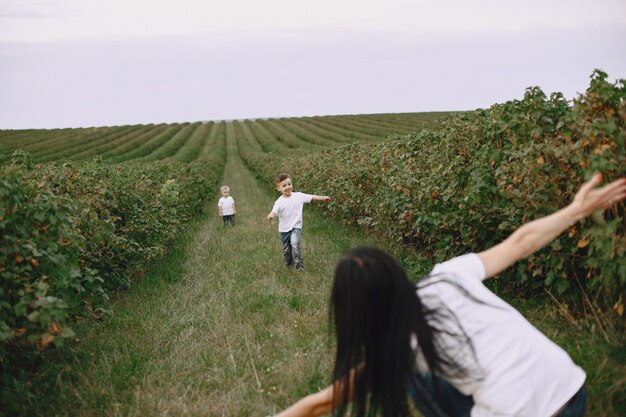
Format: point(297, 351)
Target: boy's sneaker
point(299, 267)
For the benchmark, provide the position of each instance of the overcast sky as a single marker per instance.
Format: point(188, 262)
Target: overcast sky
point(79, 63)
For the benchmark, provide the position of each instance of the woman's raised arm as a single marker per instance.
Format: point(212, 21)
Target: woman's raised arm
point(537, 233)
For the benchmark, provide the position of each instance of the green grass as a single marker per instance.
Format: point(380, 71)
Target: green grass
point(219, 327)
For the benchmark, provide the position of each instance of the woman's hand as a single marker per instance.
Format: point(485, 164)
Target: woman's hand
point(313, 405)
point(536, 234)
point(590, 199)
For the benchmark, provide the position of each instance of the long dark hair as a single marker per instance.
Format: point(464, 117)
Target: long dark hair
point(376, 311)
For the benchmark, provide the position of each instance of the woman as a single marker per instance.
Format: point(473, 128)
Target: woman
point(449, 342)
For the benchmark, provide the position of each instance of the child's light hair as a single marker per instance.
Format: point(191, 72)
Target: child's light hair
point(280, 178)
point(224, 188)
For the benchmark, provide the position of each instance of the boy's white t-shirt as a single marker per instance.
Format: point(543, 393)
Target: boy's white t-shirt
point(289, 210)
point(227, 204)
point(525, 373)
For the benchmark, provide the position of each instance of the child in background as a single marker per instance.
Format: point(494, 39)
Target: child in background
point(288, 209)
point(448, 343)
point(226, 206)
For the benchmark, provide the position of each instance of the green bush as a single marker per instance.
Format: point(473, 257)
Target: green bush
point(468, 184)
point(69, 235)
point(42, 282)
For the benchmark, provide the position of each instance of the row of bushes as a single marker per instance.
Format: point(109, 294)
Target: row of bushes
point(72, 234)
point(468, 184)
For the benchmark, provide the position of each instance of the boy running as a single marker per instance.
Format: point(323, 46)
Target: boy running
point(288, 209)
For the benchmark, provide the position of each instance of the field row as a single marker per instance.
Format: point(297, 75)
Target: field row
point(186, 142)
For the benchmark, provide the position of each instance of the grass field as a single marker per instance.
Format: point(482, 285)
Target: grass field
point(218, 327)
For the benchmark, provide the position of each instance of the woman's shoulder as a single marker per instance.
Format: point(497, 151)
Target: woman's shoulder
point(468, 265)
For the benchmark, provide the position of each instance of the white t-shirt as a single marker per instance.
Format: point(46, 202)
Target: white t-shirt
point(289, 210)
point(227, 205)
point(525, 373)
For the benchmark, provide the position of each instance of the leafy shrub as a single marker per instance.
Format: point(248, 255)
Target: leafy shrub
point(468, 184)
point(69, 235)
point(41, 280)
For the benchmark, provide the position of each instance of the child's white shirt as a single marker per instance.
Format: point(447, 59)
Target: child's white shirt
point(227, 204)
point(289, 210)
point(525, 373)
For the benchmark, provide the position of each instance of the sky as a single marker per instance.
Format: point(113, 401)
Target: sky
point(83, 63)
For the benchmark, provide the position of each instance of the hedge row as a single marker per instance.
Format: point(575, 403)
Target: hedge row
point(470, 183)
point(71, 234)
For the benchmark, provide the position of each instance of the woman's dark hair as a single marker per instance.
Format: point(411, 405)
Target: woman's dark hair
point(376, 312)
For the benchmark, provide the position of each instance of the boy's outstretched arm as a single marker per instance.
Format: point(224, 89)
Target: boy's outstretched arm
point(323, 198)
point(270, 216)
point(537, 233)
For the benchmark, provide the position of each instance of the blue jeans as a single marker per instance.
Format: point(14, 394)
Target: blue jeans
point(460, 405)
point(229, 218)
point(291, 248)
point(576, 406)
point(456, 403)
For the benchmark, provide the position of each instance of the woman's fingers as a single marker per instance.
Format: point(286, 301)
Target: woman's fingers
point(614, 191)
point(589, 185)
point(590, 199)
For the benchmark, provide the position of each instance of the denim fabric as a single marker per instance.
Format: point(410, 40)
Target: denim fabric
point(291, 247)
point(458, 404)
point(451, 401)
point(576, 406)
point(229, 219)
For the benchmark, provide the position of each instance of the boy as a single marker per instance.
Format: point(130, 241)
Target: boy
point(226, 206)
point(288, 209)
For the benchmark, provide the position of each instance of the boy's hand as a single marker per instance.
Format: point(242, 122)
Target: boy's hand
point(270, 217)
point(323, 198)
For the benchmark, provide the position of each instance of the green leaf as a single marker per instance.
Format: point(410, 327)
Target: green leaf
point(562, 286)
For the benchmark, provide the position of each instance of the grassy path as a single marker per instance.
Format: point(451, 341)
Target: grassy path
point(218, 328)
